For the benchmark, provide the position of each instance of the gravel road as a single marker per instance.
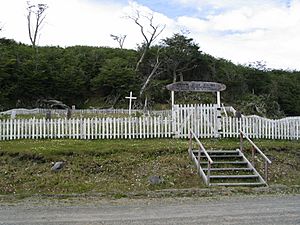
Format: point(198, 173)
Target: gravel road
point(231, 210)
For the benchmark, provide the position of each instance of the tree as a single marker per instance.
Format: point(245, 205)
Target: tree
point(120, 39)
point(34, 25)
point(181, 55)
point(154, 71)
point(149, 32)
point(86, 76)
point(288, 84)
point(116, 78)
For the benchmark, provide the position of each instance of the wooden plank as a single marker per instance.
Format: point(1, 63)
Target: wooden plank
point(125, 130)
point(159, 125)
point(9, 129)
point(151, 127)
point(145, 127)
point(196, 86)
point(18, 129)
point(233, 176)
point(122, 124)
point(14, 127)
point(238, 184)
point(1, 130)
point(134, 131)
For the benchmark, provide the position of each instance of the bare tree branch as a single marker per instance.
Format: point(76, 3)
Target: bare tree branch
point(153, 73)
point(120, 39)
point(34, 27)
point(156, 30)
point(153, 32)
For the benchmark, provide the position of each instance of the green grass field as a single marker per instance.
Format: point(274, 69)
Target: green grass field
point(118, 167)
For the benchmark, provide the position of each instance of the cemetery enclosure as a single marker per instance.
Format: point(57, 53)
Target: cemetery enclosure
point(205, 120)
point(95, 128)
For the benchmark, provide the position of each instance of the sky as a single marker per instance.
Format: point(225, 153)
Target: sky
point(242, 31)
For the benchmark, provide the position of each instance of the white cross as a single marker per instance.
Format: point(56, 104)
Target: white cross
point(130, 101)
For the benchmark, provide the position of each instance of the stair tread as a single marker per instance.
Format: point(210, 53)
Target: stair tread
point(216, 151)
point(234, 176)
point(228, 169)
point(227, 162)
point(224, 156)
point(237, 184)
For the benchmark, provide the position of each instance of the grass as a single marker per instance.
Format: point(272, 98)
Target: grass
point(119, 167)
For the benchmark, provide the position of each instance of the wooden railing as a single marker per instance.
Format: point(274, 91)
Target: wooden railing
point(63, 112)
point(258, 127)
point(255, 149)
point(201, 148)
point(204, 120)
point(86, 128)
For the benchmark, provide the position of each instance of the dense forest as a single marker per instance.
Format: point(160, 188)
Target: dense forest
point(101, 77)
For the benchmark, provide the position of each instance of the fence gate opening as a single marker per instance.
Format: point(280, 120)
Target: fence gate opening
point(204, 120)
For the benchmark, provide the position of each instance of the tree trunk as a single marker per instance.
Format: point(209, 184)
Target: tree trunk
point(181, 76)
point(153, 72)
point(174, 76)
point(141, 58)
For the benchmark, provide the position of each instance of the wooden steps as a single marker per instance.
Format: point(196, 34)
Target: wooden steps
point(232, 176)
point(237, 184)
point(229, 168)
point(219, 152)
point(226, 163)
point(224, 156)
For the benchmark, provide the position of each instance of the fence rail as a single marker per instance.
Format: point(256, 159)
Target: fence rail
point(22, 111)
point(95, 128)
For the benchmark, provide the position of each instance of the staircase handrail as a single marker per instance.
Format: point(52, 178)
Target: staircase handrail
point(202, 147)
point(257, 148)
point(206, 176)
point(254, 147)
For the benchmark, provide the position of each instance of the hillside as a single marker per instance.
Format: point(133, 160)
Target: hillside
point(101, 77)
point(122, 168)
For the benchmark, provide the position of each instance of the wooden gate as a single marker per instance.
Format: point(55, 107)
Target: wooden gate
point(203, 119)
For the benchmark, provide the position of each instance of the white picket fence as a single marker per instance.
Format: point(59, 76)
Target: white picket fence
point(259, 127)
point(36, 111)
point(95, 128)
point(205, 121)
point(201, 118)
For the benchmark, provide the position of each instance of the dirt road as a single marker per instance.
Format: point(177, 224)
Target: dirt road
point(231, 210)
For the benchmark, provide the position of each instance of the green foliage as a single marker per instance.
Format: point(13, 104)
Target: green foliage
point(180, 55)
point(116, 77)
point(101, 77)
point(262, 105)
point(53, 73)
point(288, 91)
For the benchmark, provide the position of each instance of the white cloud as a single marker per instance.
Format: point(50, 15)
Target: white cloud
point(158, 20)
point(193, 24)
point(79, 22)
point(228, 4)
point(71, 22)
point(266, 32)
point(238, 30)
